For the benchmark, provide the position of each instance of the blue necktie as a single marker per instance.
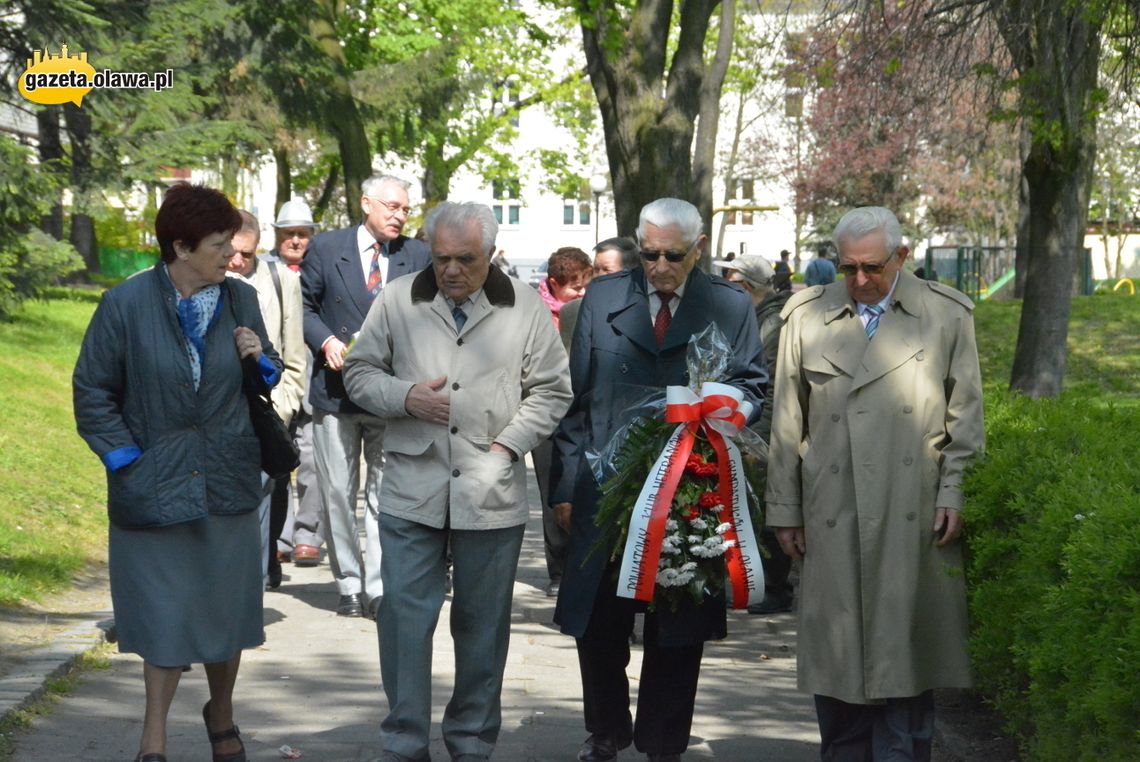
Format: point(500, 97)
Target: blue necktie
point(460, 316)
point(876, 312)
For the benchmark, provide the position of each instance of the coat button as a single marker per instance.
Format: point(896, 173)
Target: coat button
point(911, 516)
point(920, 357)
point(831, 523)
point(337, 300)
point(834, 468)
point(455, 386)
point(908, 460)
point(835, 416)
point(454, 429)
point(459, 342)
point(908, 409)
point(624, 368)
point(455, 472)
point(195, 473)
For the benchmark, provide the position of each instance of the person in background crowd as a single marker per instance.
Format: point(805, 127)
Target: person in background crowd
point(293, 231)
point(300, 538)
point(279, 296)
point(610, 256)
point(158, 397)
point(467, 369)
point(634, 327)
point(568, 270)
point(343, 272)
point(500, 261)
point(755, 276)
point(878, 410)
point(820, 271)
point(568, 273)
point(783, 270)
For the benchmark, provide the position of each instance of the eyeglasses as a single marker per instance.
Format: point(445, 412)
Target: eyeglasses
point(393, 206)
point(651, 255)
point(868, 268)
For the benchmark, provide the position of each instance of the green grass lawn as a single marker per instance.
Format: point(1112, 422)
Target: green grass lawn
point(52, 489)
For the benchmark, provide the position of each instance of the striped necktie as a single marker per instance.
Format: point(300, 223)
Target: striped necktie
point(876, 312)
point(459, 315)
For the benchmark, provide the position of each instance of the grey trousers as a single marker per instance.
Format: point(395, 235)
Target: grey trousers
point(338, 441)
point(483, 571)
point(306, 520)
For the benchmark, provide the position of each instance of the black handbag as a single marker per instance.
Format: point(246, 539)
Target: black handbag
point(279, 455)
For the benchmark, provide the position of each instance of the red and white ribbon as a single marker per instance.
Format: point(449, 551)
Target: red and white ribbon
point(721, 412)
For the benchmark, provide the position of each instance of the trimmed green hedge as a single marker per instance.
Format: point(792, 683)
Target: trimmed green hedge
point(1053, 565)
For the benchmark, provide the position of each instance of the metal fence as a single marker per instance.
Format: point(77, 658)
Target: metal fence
point(988, 272)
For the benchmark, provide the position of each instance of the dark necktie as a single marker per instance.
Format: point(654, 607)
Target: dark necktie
point(460, 316)
point(375, 279)
point(876, 311)
point(664, 317)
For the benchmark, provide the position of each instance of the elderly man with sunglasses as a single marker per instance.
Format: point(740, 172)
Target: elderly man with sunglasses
point(632, 332)
point(877, 410)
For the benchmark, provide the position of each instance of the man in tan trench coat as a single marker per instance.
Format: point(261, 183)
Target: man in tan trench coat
point(877, 411)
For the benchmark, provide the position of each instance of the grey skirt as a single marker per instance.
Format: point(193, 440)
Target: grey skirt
point(188, 593)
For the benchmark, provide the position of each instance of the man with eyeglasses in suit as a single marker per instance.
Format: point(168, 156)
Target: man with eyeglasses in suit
point(877, 411)
point(632, 332)
point(342, 273)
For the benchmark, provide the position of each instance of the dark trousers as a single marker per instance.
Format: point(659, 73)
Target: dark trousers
point(777, 565)
point(555, 539)
point(901, 729)
point(668, 685)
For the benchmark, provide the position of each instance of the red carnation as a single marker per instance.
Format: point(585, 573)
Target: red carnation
point(709, 500)
point(692, 513)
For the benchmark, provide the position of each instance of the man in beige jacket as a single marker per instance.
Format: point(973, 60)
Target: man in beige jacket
point(465, 365)
point(877, 411)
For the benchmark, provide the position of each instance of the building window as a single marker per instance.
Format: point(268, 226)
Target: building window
point(505, 96)
point(573, 208)
point(506, 194)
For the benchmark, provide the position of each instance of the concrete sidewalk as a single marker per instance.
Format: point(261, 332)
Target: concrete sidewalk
point(315, 686)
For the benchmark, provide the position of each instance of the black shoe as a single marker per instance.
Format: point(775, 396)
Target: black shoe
point(599, 748)
point(374, 608)
point(274, 580)
point(664, 757)
point(552, 588)
point(349, 605)
point(772, 604)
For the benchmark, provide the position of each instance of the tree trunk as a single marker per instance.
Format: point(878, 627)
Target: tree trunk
point(327, 189)
point(284, 176)
point(82, 234)
point(51, 158)
point(648, 119)
point(704, 155)
point(1059, 174)
point(342, 117)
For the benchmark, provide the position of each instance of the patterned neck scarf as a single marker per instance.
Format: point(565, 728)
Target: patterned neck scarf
point(195, 314)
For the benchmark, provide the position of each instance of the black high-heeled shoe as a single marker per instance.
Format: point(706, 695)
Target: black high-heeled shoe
point(224, 735)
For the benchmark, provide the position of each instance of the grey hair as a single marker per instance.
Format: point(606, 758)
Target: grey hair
point(865, 220)
point(249, 224)
point(372, 185)
point(454, 215)
point(626, 247)
point(670, 212)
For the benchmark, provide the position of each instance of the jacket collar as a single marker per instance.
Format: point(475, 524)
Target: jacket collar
point(632, 320)
point(497, 287)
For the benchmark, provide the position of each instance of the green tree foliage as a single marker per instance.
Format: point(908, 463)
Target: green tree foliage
point(30, 260)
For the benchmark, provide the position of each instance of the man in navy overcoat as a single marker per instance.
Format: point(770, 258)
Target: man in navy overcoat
point(633, 329)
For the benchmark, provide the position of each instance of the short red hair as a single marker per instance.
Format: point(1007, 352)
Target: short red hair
point(189, 213)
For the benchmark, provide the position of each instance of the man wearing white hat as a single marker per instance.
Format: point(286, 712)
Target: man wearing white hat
point(300, 537)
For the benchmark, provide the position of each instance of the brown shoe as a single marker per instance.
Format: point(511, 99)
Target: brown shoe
point(306, 555)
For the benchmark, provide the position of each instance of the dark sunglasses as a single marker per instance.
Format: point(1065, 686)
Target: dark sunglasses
point(868, 268)
point(649, 255)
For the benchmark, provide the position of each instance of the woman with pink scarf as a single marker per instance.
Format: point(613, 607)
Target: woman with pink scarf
point(568, 271)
